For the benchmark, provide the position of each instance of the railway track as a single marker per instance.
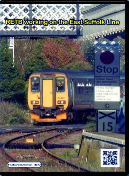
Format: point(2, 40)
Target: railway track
point(4, 157)
point(9, 158)
point(60, 160)
point(43, 151)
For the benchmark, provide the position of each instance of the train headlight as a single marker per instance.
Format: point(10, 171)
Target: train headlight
point(34, 102)
point(61, 102)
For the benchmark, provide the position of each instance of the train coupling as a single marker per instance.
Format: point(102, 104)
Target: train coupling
point(48, 113)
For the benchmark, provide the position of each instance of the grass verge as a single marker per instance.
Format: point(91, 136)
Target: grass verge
point(13, 114)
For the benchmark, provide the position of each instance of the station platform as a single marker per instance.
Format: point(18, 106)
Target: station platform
point(93, 143)
point(115, 135)
point(106, 136)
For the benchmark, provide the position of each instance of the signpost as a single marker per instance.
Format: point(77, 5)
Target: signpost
point(107, 84)
point(106, 120)
point(107, 93)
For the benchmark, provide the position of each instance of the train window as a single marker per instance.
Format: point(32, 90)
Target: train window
point(83, 92)
point(35, 83)
point(60, 84)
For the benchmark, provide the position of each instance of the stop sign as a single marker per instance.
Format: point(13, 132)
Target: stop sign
point(107, 57)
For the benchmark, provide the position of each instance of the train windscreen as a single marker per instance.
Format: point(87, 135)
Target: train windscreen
point(60, 84)
point(35, 84)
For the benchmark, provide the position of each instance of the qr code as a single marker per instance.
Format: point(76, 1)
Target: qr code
point(110, 157)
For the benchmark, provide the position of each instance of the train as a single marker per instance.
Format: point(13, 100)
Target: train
point(55, 94)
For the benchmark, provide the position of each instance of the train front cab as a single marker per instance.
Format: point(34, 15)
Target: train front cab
point(48, 97)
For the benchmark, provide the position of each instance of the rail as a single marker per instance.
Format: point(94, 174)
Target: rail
point(49, 154)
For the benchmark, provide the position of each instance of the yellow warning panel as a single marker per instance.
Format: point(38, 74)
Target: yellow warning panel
point(29, 140)
point(48, 93)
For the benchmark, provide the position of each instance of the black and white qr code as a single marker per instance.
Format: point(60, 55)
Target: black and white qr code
point(110, 157)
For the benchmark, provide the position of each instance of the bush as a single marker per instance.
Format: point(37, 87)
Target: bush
point(91, 119)
point(12, 114)
point(12, 81)
point(82, 65)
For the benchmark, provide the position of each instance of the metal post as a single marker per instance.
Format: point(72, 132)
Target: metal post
point(30, 18)
point(11, 46)
point(78, 26)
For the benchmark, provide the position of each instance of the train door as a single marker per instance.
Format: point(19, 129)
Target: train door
point(47, 91)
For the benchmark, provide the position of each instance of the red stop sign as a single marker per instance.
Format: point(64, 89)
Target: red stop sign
point(107, 57)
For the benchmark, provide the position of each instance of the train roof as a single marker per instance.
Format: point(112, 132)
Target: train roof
point(73, 73)
point(69, 73)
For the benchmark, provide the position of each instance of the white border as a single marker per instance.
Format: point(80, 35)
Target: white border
point(118, 157)
point(24, 164)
